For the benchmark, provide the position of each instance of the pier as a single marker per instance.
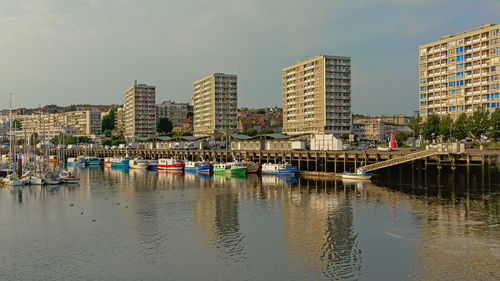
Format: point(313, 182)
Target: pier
point(313, 162)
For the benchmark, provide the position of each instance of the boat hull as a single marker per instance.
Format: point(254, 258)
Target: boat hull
point(349, 176)
point(288, 172)
point(173, 167)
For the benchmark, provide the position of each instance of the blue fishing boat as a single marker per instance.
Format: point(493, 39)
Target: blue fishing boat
point(279, 169)
point(356, 176)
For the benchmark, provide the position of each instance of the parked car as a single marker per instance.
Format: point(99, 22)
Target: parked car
point(114, 147)
point(347, 146)
point(383, 148)
point(107, 147)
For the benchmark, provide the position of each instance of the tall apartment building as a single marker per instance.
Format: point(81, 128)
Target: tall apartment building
point(85, 122)
point(140, 110)
point(317, 96)
point(460, 72)
point(119, 121)
point(215, 104)
point(175, 112)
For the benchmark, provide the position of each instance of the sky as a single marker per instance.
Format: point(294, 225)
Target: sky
point(90, 51)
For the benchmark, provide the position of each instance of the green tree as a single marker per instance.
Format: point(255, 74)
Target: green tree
point(266, 131)
point(189, 114)
point(445, 126)
point(401, 137)
point(107, 133)
point(70, 108)
point(477, 123)
point(164, 125)
point(108, 121)
point(106, 142)
point(459, 130)
point(16, 124)
point(416, 125)
point(69, 140)
point(430, 127)
point(20, 142)
point(344, 137)
point(250, 132)
point(494, 125)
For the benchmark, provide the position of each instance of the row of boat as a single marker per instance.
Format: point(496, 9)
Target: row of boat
point(172, 164)
point(50, 178)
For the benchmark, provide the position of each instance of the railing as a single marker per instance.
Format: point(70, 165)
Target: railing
point(398, 160)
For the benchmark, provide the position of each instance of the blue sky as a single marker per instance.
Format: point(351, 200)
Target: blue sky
point(90, 51)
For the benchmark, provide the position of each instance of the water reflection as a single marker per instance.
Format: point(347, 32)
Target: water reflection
point(406, 224)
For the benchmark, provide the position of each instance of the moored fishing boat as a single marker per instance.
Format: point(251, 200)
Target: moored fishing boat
point(170, 164)
point(236, 168)
point(120, 162)
point(279, 169)
point(152, 165)
point(92, 161)
point(198, 166)
point(78, 161)
point(107, 162)
point(138, 163)
point(220, 168)
point(252, 167)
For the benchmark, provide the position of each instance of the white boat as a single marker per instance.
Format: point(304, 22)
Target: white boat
point(138, 163)
point(29, 178)
point(13, 180)
point(170, 164)
point(356, 176)
point(52, 178)
point(279, 169)
point(107, 162)
point(68, 177)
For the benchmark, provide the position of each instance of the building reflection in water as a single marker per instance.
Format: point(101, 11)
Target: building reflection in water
point(318, 227)
point(216, 214)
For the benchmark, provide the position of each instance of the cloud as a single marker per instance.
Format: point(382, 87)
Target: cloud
point(60, 51)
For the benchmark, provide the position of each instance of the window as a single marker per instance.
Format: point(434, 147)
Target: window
point(493, 68)
point(494, 86)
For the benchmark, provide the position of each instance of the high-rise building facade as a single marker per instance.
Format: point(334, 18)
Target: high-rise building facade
point(215, 104)
point(85, 122)
point(460, 72)
point(317, 96)
point(140, 110)
point(175, 112)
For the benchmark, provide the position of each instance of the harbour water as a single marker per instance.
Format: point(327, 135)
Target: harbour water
point(407, 224)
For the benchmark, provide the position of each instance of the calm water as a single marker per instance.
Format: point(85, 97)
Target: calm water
point(140, 225)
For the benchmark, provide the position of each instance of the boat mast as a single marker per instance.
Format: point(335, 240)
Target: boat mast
point(11, 147)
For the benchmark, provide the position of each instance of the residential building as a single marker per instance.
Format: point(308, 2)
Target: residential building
point(175, 112)
point(460, 72)
point(85, 122)
point(119, 122)
point(261, 118)
point(215, 105)
point(317, 96)
point(379, 128)
point(140, 110)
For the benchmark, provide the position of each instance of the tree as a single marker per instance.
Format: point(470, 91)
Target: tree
point(20, 141)
point(107, 133)
point(494, 125)
point(189, 114)
point(266, 131)
point(250, 132)
point(164, 125)
point(416, 125)
point(477, 123)
point(106, 142)
point(108, 121)
point(70, 108)
point(430, 127)
point(401, 137)
point(445, 126)
point(16, 124)
point(459, 130)
point(344, 137)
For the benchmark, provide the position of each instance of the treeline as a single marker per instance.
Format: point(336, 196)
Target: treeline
point(480, 123)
